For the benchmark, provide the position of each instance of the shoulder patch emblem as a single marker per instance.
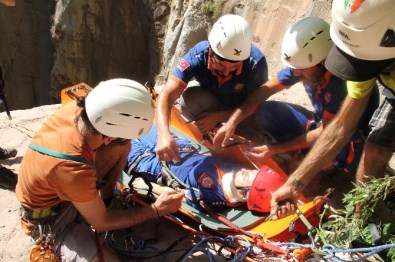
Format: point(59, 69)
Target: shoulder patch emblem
point(205, 181)
point(328, 97)
point(182, 65)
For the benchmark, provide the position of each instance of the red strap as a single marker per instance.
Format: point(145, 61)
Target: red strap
point(351, 153)
point(225, 220)
point(99, 247)
point(256, 237)
point(265, 245)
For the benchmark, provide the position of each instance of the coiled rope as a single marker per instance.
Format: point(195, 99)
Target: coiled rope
point(330, 250)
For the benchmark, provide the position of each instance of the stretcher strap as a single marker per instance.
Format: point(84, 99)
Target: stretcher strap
point(225, 220)
point(60, 155)
point(256, 237)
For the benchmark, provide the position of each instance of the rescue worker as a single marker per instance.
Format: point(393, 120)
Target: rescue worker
point(227, 67)
point(364, 52)
point(304, 48)
point(69, 172)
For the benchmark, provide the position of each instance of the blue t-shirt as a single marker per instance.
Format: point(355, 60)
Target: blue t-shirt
point(328, 96)
point(196, 170)
point(233, 92)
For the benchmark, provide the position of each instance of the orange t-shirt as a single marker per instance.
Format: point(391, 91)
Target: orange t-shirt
point(45, 181)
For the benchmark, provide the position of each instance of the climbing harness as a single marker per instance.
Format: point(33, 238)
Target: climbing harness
point(38, 220)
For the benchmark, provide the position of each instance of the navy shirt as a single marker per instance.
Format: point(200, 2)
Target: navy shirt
point(327, 98)
point(233, 92)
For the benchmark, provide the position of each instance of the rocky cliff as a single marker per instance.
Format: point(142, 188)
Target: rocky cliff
point(48, 45)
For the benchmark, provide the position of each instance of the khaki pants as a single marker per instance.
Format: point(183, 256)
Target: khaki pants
point(74, 238)
point(195, 100)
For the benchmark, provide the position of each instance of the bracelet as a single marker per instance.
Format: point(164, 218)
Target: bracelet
point(156, 211)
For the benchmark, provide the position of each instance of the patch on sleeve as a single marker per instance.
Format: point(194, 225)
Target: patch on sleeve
point(182, 65)
point(205, 181)
point(328, 97)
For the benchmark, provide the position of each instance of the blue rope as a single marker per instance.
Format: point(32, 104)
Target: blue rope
point(225, 240)
point(194, 249)
point(293, 244)
point(331, 250)
point(245, 252)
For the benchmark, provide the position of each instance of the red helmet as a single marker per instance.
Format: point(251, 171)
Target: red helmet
point(265, 183)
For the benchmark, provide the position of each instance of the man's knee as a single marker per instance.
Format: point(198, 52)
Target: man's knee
point(79, 244)
point(195, 100)
point(377, 154)
point(108, 255)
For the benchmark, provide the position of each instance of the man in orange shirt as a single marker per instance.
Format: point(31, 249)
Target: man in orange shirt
point(70, 170)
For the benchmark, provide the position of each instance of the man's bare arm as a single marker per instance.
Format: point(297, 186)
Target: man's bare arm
point(167, 148)
point(332, 140)
point(249, 107)
point(170, 93)
point(101, 219)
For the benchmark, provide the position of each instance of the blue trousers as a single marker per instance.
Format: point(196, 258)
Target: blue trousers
point(286, 121)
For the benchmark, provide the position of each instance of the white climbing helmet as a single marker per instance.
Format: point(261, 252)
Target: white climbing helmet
point(230, 38)
point(306, 43)
point(120, 108)
point(364, 29)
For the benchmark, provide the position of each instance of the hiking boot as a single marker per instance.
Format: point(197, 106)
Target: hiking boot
point(6, 153)
point(8, 178)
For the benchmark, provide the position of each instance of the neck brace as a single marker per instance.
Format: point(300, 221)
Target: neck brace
point(232, 195)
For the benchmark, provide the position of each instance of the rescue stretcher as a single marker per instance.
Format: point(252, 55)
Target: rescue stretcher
point(255, 228)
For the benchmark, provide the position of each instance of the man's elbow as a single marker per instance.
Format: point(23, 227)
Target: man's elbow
point(101, 226)
point(100, 223)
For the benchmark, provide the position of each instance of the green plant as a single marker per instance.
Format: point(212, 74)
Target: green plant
point(348, 225)
point(213, 8)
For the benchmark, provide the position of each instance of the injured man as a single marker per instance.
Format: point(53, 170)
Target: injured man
point(219, 183)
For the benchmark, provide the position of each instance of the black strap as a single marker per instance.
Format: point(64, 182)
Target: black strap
point(160, 253)
point(135, 175)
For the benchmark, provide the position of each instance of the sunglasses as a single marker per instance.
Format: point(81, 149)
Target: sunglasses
point(120, 141)
point(243, 188)
point(223, 59)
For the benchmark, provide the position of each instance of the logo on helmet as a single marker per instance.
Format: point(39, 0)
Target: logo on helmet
point(287, 57)
point(353, 5)
point(344, 35)
point(237, 52)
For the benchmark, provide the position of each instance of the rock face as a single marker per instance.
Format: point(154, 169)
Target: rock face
point(26, 52)
point(48, 45)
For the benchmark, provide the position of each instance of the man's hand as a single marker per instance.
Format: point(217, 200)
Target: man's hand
point(206, 122)
point(167, 148)
point(223, 135)
point(169, 202)
point(260, 153)
point(284, 199)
